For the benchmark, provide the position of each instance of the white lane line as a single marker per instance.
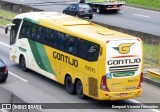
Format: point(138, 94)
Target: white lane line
point(5, 44)
point(3, 110)
point(11, 72)
point(142, 9)
point(141, 15)
point(17, 76)
point(142, 103)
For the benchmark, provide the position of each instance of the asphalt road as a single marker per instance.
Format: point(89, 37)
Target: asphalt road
point(131, 18)
point(34, 88)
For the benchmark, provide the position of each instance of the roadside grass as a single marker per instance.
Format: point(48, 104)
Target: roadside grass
point(155, 78)
point(151, 55)
point(3, 22)
point(149, 4)
point(7, 15)
point(151, 51)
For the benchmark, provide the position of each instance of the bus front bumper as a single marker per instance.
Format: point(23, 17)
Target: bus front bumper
point(120, 95)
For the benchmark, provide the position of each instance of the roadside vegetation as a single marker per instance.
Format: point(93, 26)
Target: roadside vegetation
point(6, 15)
point(149, 4)
point(151, 56)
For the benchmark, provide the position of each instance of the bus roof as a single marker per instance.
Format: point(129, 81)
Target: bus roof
point(66, 23)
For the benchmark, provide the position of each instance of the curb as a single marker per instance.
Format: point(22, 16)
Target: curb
point(151, 81)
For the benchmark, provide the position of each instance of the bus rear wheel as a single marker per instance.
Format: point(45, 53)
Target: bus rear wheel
point(22, 63)
point(79, 90)
point(69, 85)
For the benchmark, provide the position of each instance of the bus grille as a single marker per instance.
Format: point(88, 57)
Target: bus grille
point(129, 68)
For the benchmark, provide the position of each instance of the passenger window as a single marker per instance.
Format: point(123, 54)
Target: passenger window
point(93, 51)
point(34, 32)
point(82, 50)
point(55, 39)
point(46, 36)
point(67, 43)
point(39, 34)
point(61, 39)
point(25, 30)
point(88, 50)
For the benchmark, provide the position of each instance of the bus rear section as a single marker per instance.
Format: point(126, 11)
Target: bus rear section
point(123, 76)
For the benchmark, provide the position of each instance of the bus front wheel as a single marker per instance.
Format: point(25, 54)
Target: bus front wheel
point(79, 90)
point(69, 85)
point(22, 63)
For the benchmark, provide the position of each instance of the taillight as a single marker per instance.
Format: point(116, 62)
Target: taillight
point(107, 41)
point(141, 81)
point(6, 70)
point(104, 84)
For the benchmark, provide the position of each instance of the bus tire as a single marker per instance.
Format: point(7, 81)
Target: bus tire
point(22, 63)
point(79, 90)
point(69, 85)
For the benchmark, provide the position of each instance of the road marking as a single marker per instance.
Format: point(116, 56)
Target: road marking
point(142, 9)
point(3, 110)
point(11, 72)
point(141, 15)
point(135, 101)
point(17, 76)
point(5, 44)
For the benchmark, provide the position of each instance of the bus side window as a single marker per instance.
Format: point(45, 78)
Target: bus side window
point(46, 35)
point(93, 51)
point(51, 38)
point(82, 49)
point(25, 30)
point(67, 43)
point(55, 39)
point(39, 34)
point(75, 46)
point(61, 41)
point(34, 31)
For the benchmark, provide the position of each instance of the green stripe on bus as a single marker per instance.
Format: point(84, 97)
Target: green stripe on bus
point(44, 58)
point(36, 54)
point(30, 20)
point(40, 56)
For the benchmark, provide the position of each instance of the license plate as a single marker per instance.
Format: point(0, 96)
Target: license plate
point(123, 94)
point(86, 11)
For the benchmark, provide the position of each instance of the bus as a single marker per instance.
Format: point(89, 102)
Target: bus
point(88, 59)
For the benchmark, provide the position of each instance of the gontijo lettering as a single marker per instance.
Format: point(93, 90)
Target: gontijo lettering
point(124, 61)
point(65, 59)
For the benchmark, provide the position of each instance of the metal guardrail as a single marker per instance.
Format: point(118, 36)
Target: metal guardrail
point(154, 74)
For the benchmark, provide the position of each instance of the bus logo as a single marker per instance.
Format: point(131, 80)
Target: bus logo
point(123, 48)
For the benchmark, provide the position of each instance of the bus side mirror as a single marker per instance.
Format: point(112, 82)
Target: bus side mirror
point(6, 30)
